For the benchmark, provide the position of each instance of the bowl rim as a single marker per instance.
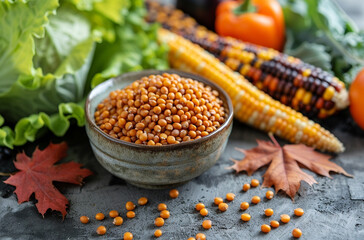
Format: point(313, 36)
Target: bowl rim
point(148, 72)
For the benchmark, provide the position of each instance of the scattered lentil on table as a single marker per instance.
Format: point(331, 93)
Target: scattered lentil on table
point(118, 221)
point(255, 200)
point(223, 207)
point(84, 219)
point(244, 205)
point(130, 206)
point(101, 230)
point(204, 212)
point(200, 236)
point(245, 217)
point(269, 195)
point(207, 224)
point(298, 212)
point(218, 200)
point(128, 236)
point(268, 212)
point(230, 196)
point(159, 222)
point(296, 233)
point(265, 228)
point(274, 223)
point(160, 110)
point(99, 216)
point(162, 206)
point(199, 206)
point(254, 183)
point(158, 233)
point(142, 201)
point(113, 213)
point(130, 214)
point(246, 187)
point(164, 214)
point(285, 218)
point(174, 193)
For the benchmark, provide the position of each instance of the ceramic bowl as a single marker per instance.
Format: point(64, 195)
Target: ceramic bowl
point(154, 166)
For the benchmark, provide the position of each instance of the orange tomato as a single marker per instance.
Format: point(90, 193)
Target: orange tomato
point(356, 96)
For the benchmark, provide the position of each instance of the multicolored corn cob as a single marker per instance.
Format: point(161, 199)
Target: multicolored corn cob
point(251, 105)
point(305, 88)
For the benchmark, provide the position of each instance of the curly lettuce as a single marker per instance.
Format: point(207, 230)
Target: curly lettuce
point(51, 51)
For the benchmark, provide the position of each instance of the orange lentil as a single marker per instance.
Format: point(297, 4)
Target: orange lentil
point(142, 201)
point(113, 213)
point(162, 206)
point(218, 200)
point(100, 216)
point(298, 212)
point(130, 214)
point(255, 199)
point(199, 206)
point(206, 224)
point(118, 221)
point(160, 104)
point(268, 212)
point(130, 206)
point(254, 183)
point(265, 228)
point(204, 212)
point(230, 196)
point(159, 222)
point(274, 224)
point(158, 233)
point(285, 218)
point(245, 217)
point(101, 230)
point(269, 195)
point(246, 187)
point(84, 219)
point(244, 205)
point(174, 193)
point(164, 214)
point(200, 236)
point(223, 207)
point(128, 236)
point(296, 233)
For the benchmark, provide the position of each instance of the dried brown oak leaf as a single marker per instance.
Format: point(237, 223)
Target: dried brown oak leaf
point(284, 171)
point(36, 175)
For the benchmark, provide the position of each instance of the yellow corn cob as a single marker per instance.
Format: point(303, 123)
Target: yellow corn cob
point(305, 88)
point(251, 105)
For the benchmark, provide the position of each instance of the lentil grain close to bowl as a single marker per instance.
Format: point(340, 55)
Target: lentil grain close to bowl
point(155, 166)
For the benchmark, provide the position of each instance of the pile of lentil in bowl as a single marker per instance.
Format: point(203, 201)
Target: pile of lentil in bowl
point(160, 110)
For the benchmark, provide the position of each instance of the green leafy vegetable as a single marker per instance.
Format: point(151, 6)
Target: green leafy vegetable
point(321, 29)
point(132, 49)
point(47, 49)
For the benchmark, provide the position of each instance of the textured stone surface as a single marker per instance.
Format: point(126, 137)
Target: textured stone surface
point(332, 208)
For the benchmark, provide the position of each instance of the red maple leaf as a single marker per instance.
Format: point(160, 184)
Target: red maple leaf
point(37, 174)
point(284, 170)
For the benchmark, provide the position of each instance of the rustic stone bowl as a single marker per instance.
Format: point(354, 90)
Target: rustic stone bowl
point(154, 166)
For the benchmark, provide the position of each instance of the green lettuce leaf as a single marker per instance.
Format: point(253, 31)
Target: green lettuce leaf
point(46, 52)
point(64, 58)
point(322, 29)
point(135, 48)
point(28, 128)
point(20, 22)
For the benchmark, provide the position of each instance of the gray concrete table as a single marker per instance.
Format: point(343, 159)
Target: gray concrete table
point(334, 208)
